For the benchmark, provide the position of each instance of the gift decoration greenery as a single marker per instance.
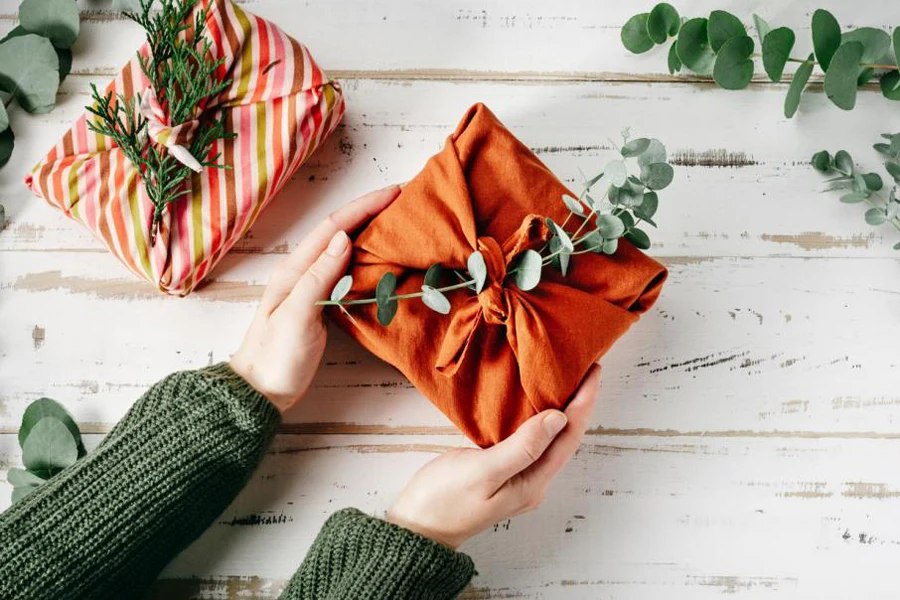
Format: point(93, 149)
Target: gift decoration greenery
point(611, 206)
point(867, 188)
point(184, 76)
point(51, 443)
point(35, 57)
point(718, 45)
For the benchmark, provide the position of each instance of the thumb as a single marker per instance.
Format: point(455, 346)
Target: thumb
point(520, 450)
point(318, 281)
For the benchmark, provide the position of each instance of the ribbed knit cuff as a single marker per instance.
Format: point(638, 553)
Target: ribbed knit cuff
point(365, 557)
point(240, 390)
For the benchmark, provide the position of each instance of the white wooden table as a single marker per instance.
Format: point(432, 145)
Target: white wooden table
point(747, 438)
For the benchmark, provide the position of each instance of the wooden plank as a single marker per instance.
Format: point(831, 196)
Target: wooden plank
point(743, 187)
point(462, 39)
point(734, 346)
point(692, 518)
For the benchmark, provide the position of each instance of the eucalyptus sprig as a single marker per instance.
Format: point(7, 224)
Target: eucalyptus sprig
point(184, 77)
point(35, 57)
point(50, 442)
point(861, 187)
point(611, 206)
point(719, 46)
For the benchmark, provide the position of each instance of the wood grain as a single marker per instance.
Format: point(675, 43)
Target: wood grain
point(640, 517)
point(747, 434)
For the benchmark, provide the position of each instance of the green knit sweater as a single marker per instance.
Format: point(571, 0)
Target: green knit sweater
point(107, 526)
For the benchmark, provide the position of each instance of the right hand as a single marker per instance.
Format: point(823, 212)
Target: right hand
point(465, 491)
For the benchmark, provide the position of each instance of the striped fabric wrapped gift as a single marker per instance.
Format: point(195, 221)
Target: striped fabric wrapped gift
point(280, 105)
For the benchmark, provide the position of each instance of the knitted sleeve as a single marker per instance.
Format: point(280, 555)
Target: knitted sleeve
point(106, 527)
point(356, 557)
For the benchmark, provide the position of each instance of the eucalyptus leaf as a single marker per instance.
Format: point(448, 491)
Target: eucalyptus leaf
point(875, 216)
point(57, 20)
point(341, 288)
point(840, 79)
point(573, 205)
point(561, 256)
point(876, 43)
point(7, 143)
point(798, 83)
point(527, 267)
point(50, 446)
point(385, 288)
point(477, 269)
point(821, 161)
point(610, 226)
point(63, 54)
point(433, 275)
point(648, 207)
point(662, 22)
point(635, 147)
point(47, 407)
point(865, 76)
point(639, 238)
point(655, 153)
point(826, 35)
point(844, 162)
point(762, 28)
point(693, 48)
point(657, 176)
point(634, 34)
point(733, 69)
point(894, 170)
point(387, 312)
point(610, 246)
point(593, 242)
point(897, 246)
point(776, 49)
point(22, 477)
point(4, 118)
point(674, 63)
point(435, 300)
point(564, 239)
point(873, 181)
point(853, 198)
point(890, 85)
point(627, 219)
point(883, 148)
point(895, 39)
point(29, 70)
point(20, 492)
point(564, 261)
point(722, 27)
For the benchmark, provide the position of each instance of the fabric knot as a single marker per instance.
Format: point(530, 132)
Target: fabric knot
point(492, 297)
point(176, 138)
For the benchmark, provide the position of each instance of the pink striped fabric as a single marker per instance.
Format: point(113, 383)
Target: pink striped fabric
point(280, 104)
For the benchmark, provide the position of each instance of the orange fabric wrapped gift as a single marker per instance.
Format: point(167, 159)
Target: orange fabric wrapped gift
point(503, 355)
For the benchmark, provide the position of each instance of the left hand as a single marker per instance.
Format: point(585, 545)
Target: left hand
point(284, 345)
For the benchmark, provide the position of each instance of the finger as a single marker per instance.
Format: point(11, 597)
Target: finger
point(319, 279)
point(347, 218)
point(523, 448)
point(579, 413)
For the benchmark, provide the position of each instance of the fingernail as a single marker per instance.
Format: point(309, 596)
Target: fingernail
point(338, 244)
point(554, 423)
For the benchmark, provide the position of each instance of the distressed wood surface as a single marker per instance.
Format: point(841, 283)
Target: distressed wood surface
point(747, 436)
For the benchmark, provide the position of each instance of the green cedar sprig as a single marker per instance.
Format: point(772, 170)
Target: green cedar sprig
point(50, 442)
point(863, 187)
point(719, 46)
point(184, 77)
point(610, 207)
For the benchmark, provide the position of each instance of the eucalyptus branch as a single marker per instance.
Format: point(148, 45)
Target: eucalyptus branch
point(624, 201)
point(184, 77)
point(864, 187)
point(719, 46)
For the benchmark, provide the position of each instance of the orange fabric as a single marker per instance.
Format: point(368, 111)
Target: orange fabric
point(503, 355)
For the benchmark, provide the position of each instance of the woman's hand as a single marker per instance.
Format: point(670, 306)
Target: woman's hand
point(465, 491)
point(282, 349)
